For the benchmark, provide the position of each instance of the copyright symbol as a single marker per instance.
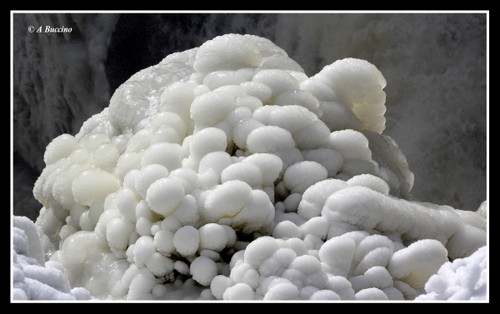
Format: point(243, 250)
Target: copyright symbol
point(31, 28)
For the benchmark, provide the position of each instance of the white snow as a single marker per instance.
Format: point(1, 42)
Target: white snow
point(463, 279)
point(267, 139)
point(186, 240)
point(33, 277)
point(417, 262)
point(203, 270)
point(165, 195)
point(213, 237)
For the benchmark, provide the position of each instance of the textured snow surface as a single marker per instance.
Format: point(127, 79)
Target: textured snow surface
point(225, 172)
point(33, 278)
point(462, 279)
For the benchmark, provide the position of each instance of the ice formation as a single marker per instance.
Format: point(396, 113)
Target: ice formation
point(462, 279)
point(33, 277)
point(224, 172)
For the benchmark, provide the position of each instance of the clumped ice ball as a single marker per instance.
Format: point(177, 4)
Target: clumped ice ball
point(225, 172)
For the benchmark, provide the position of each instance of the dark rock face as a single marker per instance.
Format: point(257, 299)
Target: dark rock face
point(59, 81)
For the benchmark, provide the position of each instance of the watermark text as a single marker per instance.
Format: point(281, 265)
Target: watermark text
point(46, 29)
